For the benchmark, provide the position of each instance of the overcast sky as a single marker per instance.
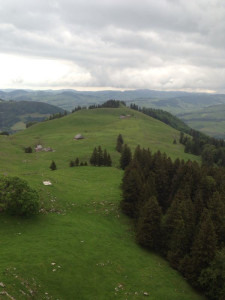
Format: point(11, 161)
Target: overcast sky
point(117, 44)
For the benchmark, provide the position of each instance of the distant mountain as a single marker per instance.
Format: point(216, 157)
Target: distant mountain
point(14, 115)
point(175, 102)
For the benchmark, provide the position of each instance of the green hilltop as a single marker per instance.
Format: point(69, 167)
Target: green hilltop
point(80, 246)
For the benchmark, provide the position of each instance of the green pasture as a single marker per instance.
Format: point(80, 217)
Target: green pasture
point(80, 246)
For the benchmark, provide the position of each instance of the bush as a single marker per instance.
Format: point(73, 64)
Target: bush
point(17, 197)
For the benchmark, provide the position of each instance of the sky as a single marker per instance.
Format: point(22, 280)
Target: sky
point(113, 44)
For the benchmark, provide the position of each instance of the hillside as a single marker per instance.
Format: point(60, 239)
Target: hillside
point(81, 246)
point(14, 115)
point(210, 120)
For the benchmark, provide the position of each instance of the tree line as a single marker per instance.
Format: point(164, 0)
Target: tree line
point(178, 209)
point(211, 150)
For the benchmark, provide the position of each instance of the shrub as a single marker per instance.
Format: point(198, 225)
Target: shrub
point(17, 197)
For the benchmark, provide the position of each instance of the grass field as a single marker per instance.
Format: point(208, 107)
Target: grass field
point(80, 246)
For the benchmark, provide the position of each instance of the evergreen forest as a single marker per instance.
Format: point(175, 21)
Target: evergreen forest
point(178, 211)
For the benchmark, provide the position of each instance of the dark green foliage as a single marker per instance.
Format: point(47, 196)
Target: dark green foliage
point(72, 163)
point(53, 166)
point(126, 157)
point(192, 201)
point(119, 143)
point(4, 133)
point(149, 224)
point(17, 197)
point(94, 157)
point(109, 104)
point(76, 163)
point(28, 149)
point(204, 245)
point(100, 158)
point(212, 279)
point(131, 186)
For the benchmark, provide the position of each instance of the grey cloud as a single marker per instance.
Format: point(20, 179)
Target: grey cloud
point(122, 43)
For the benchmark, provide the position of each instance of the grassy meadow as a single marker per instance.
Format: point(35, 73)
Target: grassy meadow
point(80, 246)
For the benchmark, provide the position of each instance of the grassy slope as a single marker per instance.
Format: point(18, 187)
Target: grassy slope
point(83, 231)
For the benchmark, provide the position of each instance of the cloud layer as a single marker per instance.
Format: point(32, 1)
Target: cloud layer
point(163, 44)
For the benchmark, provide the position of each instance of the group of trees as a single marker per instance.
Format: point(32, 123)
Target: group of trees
point(100, 157)
point(212, 150)
point(178, 210)
point(17, 197)
point(57, 116)
point(76, 163)
point(108, 104)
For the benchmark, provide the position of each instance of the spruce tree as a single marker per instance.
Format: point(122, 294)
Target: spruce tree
point(126, 157)
point(131, 187)
point(119, 143)
point(77, 162)
point(99, 156)
point(53, 166)
point(94, 157)
point(148, 227)
point(109, 161)
point(204, 245)
point(72, 163)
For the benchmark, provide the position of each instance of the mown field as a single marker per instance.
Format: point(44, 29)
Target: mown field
point(80, 246)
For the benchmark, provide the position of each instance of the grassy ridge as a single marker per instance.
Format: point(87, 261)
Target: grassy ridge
point(81, 229)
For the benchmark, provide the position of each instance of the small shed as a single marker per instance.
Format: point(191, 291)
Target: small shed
point(78, 137)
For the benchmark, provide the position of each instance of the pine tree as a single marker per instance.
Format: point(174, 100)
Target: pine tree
point(100, 156)
point(77, 162)
point(72, 163)
point(53, 166)
point(119, 143)
point(148, 227)
point(204, 245)
point(217, 211)
point(94, 157)
point(131, 187)
point(109, 161)
point(126, 157)
point(105, 158)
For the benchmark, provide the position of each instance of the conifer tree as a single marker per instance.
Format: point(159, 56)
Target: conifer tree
point(148, 227)
point(109, 161)
point(119, 143)
point(94, 157)
point(204, 245)
point(217, 211)
point(105, 158)
point(72, 163)
point(131, 186)
point(53, 166)
point(126, 157)
point(77, 162)
point(100, 161)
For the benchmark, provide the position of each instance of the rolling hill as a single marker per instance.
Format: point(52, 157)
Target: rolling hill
point(14, 115)
point(172, 101)
point(210, 120)
point(81, 246)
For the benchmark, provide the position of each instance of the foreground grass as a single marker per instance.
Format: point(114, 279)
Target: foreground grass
point(80, 246)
